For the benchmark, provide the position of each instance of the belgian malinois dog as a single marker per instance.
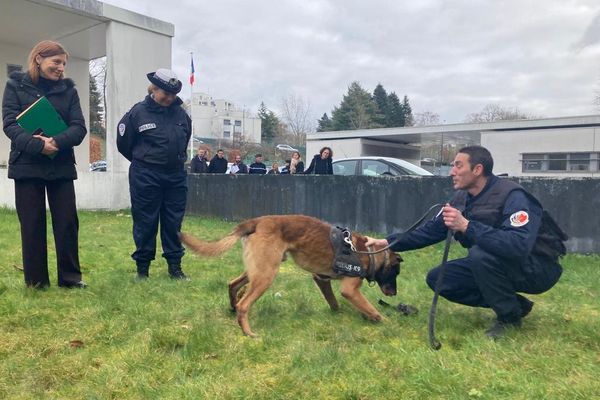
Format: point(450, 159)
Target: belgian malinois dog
point(266, 242)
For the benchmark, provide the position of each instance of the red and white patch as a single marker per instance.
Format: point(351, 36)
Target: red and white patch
point(519, 218)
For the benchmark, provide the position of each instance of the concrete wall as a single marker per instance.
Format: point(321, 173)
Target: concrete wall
point(380, 205)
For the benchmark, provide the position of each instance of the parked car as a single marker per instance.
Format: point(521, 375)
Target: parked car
point(377, 166)
point(98, 166)
point(285, 147)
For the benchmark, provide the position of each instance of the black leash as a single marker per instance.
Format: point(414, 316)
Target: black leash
point(412, 228)
point(433, 342)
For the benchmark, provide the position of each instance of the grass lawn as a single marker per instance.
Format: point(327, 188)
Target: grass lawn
point(163, 339)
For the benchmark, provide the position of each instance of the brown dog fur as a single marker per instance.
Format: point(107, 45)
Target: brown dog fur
point(266, 241)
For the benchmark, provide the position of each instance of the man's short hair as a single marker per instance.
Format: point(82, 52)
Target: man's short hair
point(258, 155)
point(479, 155)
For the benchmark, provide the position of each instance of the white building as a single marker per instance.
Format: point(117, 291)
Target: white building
point(133, 44)
point(552, 147)
point(220, 119)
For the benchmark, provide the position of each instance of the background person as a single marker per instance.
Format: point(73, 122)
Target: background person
point(238, 166)
point(199, 162)
point(286, 168)
point(499, 226)
point(258, 167)
point(154, 135)
point(41, 165)
point(274, 169)
point(218, 164)
point(321, 163)
point(296, 164)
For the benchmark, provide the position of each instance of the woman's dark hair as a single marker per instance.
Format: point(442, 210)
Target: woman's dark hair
point(326, 148)
point(44, 49)
point(479, 155)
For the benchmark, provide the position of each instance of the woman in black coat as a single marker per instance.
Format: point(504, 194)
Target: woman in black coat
point(40, 165)
point(321, 163)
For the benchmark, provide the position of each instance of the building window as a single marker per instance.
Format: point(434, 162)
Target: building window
point(579, 162)
point(238, 123)
point(560, 162)
point(226, 134)
point(227, 122)
point(532, 162)
point(557, 162)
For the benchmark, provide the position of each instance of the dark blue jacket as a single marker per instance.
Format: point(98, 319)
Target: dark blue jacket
point(319, 166)
point(198, 165)
point(257, 168)
point(155, 134)
point(505, 237)
point(26, 159)
point(242, 168)
point(217, 165)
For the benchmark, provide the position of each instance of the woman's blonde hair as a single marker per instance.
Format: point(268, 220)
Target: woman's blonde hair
point(44, 49)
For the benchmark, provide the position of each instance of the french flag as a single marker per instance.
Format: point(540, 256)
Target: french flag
point(192, 78)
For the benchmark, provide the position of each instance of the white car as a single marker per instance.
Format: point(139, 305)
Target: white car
point(377, 166)
point(285, 147)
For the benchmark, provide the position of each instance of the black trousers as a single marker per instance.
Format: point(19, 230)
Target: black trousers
point(157, 195)
point(30, 201)
point(484, 280)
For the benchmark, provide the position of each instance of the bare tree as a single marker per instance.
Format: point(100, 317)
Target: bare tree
point(296, 115)
point(495, 112)
point(98, 72)
point(427, 118)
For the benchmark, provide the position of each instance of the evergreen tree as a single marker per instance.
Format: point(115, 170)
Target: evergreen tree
point(325, 124)
point(380, 98)
point(269, 123)
point(396, 111)
point(96, 110)
point(356, 111)
point(409, 120)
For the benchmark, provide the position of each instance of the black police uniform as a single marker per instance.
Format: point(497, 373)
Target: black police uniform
point(154, 138)
point(505, 255)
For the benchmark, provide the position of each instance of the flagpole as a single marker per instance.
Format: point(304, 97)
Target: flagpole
point(192, 106)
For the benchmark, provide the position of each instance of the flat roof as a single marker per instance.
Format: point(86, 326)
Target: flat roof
point(66, 21)
point(463, 132)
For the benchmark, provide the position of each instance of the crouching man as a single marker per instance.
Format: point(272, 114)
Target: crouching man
point(514, 245)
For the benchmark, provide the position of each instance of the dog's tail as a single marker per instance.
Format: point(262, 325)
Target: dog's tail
point(213, 249)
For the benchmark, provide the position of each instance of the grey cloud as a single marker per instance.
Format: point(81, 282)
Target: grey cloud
point(450, 57)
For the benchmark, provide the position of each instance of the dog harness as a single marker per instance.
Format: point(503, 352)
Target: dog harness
point(345, 260)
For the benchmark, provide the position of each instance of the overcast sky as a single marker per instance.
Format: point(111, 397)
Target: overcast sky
point(451, 57)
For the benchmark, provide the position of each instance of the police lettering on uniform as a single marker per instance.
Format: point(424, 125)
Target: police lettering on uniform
point(513, 244)
point(154, 135)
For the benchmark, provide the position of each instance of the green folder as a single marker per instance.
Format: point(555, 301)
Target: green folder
point(40, 117)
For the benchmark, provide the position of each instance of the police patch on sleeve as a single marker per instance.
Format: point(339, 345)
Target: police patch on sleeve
point(519, 218)
point(121, 129)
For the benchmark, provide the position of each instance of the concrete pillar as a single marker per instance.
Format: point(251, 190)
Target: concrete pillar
point(127, 84)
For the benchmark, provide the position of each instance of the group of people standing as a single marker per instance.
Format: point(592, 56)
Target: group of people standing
point(497, 220)
point(320, 164)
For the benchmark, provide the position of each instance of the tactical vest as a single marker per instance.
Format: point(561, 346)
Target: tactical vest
point(488, 208)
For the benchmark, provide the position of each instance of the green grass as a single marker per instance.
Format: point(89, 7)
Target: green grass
point(162, 339)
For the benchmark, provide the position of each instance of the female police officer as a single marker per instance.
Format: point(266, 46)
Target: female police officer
point(153, 135)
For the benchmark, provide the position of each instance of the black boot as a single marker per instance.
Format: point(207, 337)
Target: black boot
point(500, 328)
point(526, 305)
point(175, 272)
point(142, 272)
